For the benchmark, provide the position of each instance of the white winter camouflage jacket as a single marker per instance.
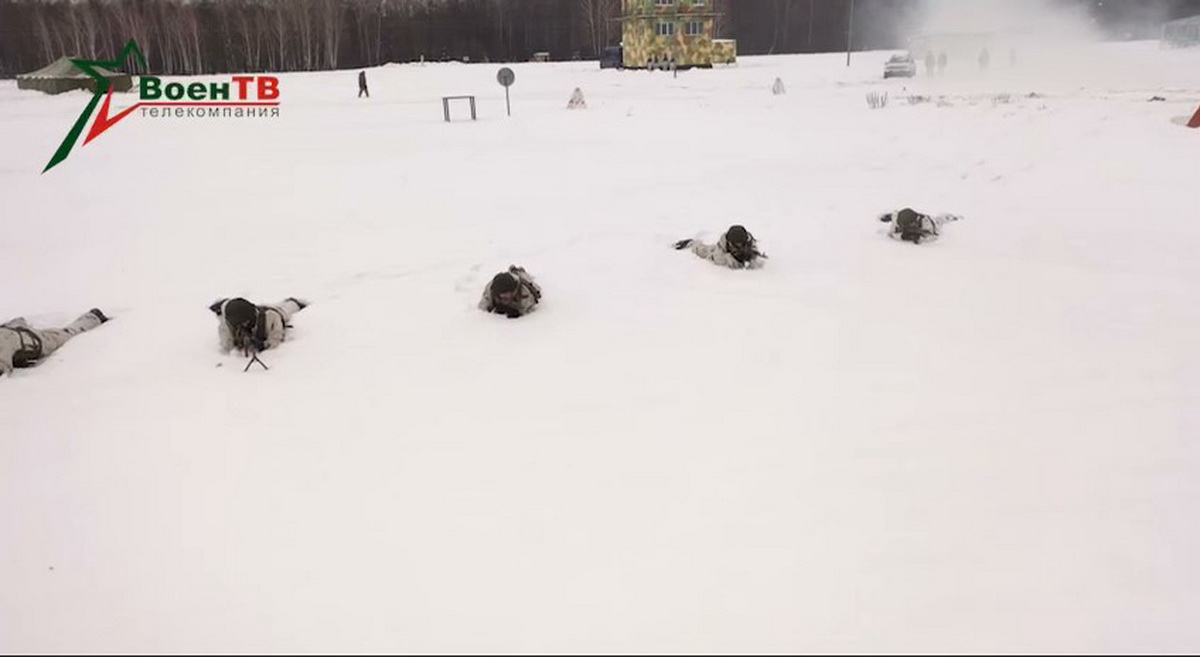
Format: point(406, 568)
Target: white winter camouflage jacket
point(276, 320)
point(719, 254)
point(927, 227)
point(527, 297)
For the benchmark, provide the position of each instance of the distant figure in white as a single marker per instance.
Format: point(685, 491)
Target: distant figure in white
point(577, 101)
point(942, 63)
point(252, 328)
point(908, 225)
point(778, 88)
point(930, 63)
point(737, 249)
point(24, 346)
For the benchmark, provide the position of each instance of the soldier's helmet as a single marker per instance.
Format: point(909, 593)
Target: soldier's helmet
point(908, 222)
point(737, 236)
point(504, 287)
point(240, 314)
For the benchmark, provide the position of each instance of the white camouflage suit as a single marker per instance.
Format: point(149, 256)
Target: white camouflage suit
point(526, 299)
point(929, 226)
point(277, 319)
point(24, 346)
point(719, 254)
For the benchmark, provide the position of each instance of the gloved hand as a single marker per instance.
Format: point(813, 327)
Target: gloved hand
point(682, 244)
point(511, 311)
point(743, 255)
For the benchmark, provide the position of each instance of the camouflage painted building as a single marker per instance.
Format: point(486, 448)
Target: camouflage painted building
point(655, 33)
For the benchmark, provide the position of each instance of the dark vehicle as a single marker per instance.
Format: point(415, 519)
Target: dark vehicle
point(900, 66)
point(612, 57)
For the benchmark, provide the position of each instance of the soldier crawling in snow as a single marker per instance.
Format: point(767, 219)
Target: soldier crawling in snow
point(908, 225)
point(512, 293)
point(24, 346)
point(736, 249)
point(251, 328)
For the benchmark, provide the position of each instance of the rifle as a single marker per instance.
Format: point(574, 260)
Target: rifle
point(745, 254)
point(250, 349)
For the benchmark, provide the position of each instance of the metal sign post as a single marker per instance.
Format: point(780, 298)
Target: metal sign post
point(506, 78)
point(850, 33)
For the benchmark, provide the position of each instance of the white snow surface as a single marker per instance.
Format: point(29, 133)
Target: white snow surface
point(983, 444)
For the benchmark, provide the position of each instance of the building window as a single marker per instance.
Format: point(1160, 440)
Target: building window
point(664, 28)
point(697, 3)
point(694, 28)
point(664, 3)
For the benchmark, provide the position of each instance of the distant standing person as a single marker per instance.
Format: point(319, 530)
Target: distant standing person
point(930, 63)
point(362, 84)
point(942, 63)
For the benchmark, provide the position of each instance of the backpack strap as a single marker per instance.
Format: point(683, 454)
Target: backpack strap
point(30, 350)
point(534, 291)
point(260, 327)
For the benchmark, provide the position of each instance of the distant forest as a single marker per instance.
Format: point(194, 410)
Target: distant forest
point(183, 37)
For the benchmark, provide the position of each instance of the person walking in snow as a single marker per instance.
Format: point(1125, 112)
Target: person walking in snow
point(362, 84)
point(511, 293)
point(908, 225)
point(736, 249)
point(24, 346)
point(252, 328)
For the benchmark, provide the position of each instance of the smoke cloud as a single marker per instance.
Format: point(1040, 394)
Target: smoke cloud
point(1047, 22)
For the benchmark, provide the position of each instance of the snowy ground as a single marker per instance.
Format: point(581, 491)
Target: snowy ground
point(982, 444)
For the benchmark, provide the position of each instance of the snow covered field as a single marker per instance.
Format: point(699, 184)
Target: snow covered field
point(987, 443)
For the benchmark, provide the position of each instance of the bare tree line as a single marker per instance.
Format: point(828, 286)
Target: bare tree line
point(219, 36)
point(187, 37)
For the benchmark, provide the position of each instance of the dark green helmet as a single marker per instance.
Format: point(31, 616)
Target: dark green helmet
point(240, 314)
point(737, 236)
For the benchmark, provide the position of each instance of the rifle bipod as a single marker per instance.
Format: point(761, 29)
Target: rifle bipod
point(254, 359)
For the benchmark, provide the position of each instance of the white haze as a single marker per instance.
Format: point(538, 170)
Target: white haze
point(1033, 45)
point(1037, 21)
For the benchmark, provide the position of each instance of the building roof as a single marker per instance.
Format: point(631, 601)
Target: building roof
point(63, 68)
point(1191, 20)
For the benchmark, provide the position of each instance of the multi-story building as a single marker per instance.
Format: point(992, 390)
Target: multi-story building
point(656, 33)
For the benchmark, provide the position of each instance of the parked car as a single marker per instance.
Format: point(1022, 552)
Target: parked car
point(900, 66)
point(612, 57)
